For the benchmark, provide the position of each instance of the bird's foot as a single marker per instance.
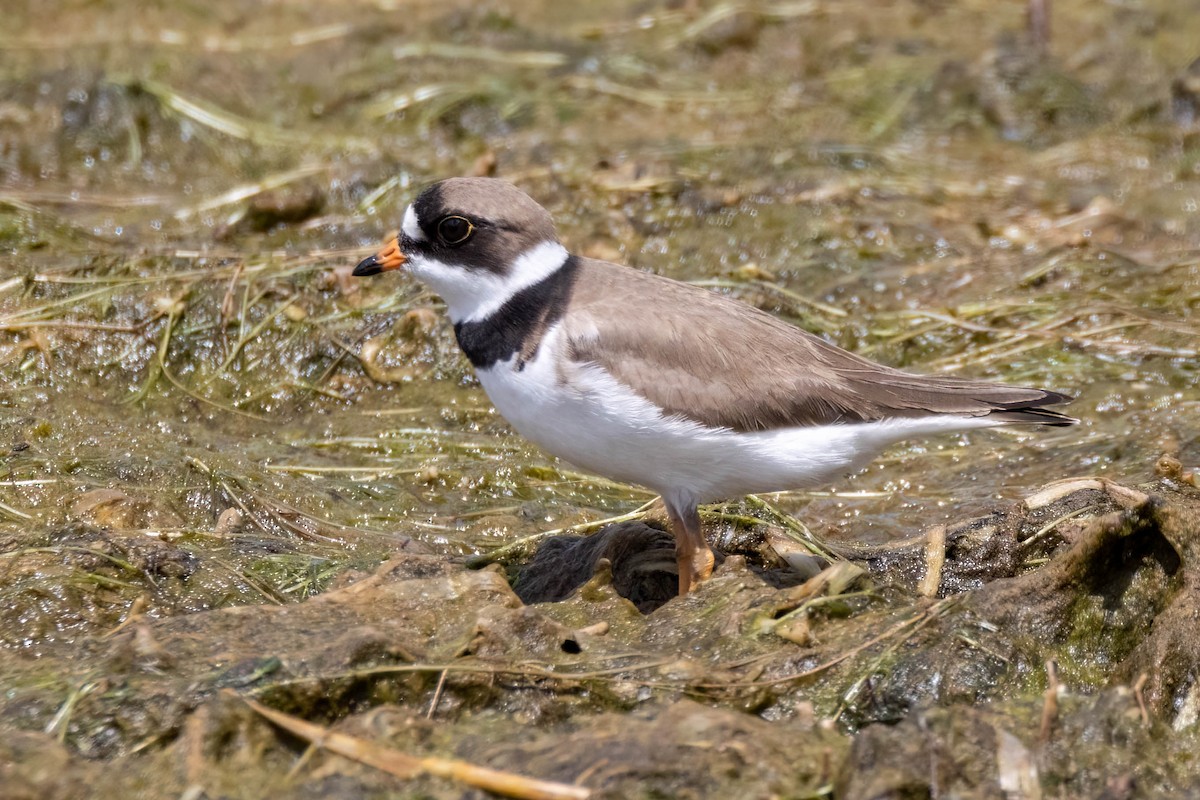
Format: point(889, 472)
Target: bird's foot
point(694, 566)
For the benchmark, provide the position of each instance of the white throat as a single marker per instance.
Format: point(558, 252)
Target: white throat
point(472, 294)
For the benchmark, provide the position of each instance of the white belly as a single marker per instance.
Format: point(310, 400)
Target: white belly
point(581, 414)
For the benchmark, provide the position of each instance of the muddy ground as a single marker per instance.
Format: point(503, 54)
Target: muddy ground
point(233, 474)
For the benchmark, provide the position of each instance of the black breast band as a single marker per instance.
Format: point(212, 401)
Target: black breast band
point(517, 326)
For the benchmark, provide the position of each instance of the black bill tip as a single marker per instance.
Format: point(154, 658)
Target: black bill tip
point(389, 258)
point(368, 266)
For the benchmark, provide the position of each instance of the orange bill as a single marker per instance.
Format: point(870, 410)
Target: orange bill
point(388, 258)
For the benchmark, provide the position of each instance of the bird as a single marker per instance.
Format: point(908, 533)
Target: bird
point(693, 394)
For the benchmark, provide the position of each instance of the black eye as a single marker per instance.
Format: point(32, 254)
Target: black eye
point(455, 230)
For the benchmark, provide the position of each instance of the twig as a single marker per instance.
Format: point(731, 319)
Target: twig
point(932, 613)
point(935, 560)
point(437, 695)
point(395, 762)
point(1054, 523)
point(918, 620)
point(524, 545)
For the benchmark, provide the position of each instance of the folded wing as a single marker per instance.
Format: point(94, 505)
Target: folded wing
point(727, 364)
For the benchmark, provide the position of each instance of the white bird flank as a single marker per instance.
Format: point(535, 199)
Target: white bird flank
point(475, 294)
point(582, 414)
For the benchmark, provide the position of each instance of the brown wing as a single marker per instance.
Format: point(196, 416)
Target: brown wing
point(723, 363)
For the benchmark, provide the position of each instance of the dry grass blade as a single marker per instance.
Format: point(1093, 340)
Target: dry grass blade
point(300, 38)
point(405, 766)
point(793, 297)
point(173, 37)
point(381, 191)
point(651, 97)
point(1054, 523)
point(524, 546)
point(888, 119)
point(211, 116)
point(260, 521)
point(935, 560)
point(49, 222)
point(903, 632)
point(15, 513)
point(35, 197)
point(458, 52)
point(43, 311)
point(714, 16)
point(392, 103)
point(157, 366)
point(807, 302)
point(534, 672)
point(181, 386)
point(831, 584)
point(724, 11)
point(60, 724)
point(306, 526)
point(248, 190)
point(268, 592)
point(904, 628)
point(218, 119)
point(794, 527)
point(70, 325)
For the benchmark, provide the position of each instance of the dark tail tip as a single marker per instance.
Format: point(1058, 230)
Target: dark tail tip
point(1035, 411)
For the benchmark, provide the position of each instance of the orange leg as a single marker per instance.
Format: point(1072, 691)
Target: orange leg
point(692, 553)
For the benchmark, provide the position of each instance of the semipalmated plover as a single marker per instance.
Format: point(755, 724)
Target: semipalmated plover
point(644, 379)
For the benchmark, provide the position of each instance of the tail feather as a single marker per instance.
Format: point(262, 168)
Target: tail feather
point(1033, 416)
point(1031, 411)
point(918, 395)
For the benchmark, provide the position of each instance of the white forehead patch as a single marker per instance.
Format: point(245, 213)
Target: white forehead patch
point(411, 227)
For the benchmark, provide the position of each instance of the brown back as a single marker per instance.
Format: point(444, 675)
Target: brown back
point(720, 362)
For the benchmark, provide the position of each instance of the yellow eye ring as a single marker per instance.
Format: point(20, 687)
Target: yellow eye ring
point(455, 229)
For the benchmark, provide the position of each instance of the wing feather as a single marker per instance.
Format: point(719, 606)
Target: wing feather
point(726, 364)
